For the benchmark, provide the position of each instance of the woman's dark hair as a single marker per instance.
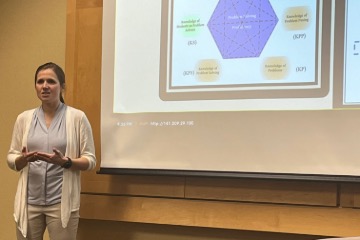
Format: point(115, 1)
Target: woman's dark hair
point(59, 73)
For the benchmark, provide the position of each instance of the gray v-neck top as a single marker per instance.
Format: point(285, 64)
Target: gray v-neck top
point(45, 179)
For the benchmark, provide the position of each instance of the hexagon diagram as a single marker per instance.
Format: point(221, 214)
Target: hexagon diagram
point(241, 28)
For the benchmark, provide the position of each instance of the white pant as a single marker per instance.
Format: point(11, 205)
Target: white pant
point(42, 217)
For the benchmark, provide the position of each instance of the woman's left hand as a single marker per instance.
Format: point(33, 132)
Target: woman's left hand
point(56, 158)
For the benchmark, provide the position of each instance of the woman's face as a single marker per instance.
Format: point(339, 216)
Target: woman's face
point(48, 87)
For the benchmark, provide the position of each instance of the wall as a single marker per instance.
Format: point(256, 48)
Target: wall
point(146, 207)
point(204, 207)
point(31, 33)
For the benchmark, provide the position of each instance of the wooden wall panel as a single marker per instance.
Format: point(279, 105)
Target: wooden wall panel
point(224, 214)
point(87, 75)
point(246, 190)
point(88, 66)
point(94, 230)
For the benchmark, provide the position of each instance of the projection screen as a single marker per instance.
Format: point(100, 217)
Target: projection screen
point(231, 88)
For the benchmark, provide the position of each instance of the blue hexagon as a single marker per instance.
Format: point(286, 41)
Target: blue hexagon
point(241, 28)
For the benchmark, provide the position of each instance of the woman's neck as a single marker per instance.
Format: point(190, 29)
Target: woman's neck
point(49, 112)
point(50, 108)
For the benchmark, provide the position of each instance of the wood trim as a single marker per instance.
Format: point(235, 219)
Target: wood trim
point(350, 195)
point(256, 190)
point(70, 51)
point(135, 185)
point(89, 4)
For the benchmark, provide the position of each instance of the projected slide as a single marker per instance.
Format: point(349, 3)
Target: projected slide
point(242, 44)
point(223, 55)
point(236, 48)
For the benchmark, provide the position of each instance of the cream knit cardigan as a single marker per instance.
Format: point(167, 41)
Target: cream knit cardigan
point(80, 143)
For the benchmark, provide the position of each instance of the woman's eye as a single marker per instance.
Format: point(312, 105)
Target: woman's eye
point(48, 81)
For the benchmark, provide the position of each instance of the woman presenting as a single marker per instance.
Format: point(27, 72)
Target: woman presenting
point(50, 145)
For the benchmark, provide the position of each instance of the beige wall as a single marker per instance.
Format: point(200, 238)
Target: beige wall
point(31, 33)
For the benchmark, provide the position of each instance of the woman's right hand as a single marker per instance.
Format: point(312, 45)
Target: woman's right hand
point(25, 158)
